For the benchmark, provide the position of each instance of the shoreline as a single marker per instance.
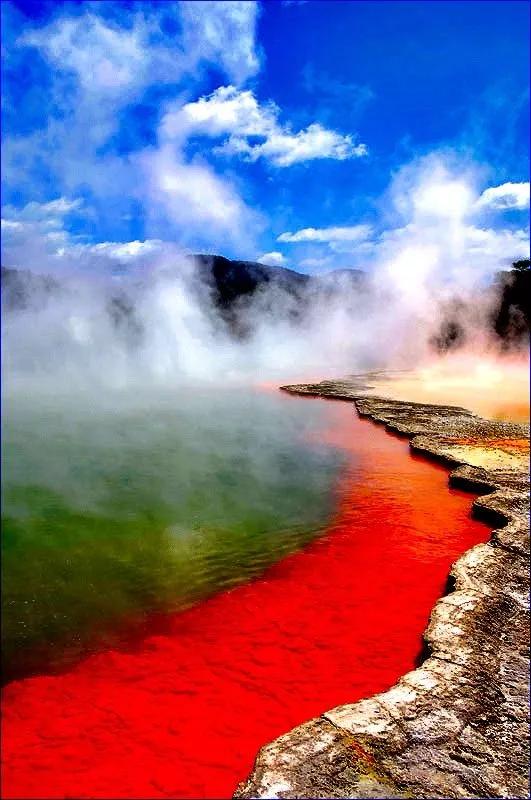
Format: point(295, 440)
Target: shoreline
point(457, 725)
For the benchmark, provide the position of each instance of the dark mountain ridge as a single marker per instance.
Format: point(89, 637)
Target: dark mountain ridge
point(508, 301)
point(22, 289)
point(229, 280)
point(242, 290)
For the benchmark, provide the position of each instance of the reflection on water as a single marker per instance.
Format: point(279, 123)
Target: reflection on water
point(126, 507)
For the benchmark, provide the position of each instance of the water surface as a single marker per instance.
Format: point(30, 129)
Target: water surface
point(122, 506)
point(182, 711)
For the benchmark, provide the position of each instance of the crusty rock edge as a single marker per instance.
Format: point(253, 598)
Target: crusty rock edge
point(458, 725)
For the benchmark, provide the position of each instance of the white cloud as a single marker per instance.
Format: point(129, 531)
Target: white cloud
point(506, 196)
point(222, 32)
point(35, 237)
point(192, 197)
point(9, 226)
point(31, 243)
point(450, 199)
point(273, 259)
point(496, 246)
point(50, 214)
point(104, 58)
point(285, 149)
point(125, 251)
point(38, 240)
point(435, 189)
point(239, 116)
point(112, 59)
point(226, 110)
point(352, 233)
point(98, 67)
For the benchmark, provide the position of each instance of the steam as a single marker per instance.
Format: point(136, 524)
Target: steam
point(157, 323)
point(167, 331)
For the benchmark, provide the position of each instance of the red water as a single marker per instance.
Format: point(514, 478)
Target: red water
point(185, 713)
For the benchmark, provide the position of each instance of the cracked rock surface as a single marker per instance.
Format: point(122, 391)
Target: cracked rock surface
point(457, 726)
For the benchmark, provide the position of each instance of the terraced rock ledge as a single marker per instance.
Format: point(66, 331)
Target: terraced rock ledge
point(457, 726)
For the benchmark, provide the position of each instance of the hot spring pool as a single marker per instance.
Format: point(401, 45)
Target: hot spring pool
point(116, 521)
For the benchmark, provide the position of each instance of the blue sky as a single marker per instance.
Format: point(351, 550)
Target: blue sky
point(309, 134)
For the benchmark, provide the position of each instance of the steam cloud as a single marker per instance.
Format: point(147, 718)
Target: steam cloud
point(158, 323)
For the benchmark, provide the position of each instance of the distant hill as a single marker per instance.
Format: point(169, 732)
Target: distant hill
point(241, 291)
point(232, 280)
point(229, 281)
point(512, 317)
point(509, 318)
point(24, 289)
point(232, 286)
point(234, 283)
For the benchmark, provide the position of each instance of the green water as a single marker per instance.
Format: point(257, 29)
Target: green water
point(123, 506)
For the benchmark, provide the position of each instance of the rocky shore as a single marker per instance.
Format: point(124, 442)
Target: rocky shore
point(458, 725)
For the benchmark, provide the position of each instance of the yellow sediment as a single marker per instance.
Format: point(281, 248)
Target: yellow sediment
point(496, 390)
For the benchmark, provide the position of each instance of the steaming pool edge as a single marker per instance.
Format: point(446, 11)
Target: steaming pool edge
point(458, 724)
